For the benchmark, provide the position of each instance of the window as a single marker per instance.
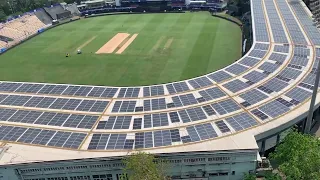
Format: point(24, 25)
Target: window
point(213, 174)
point(58, 178)
point(80, 178)
point(102, 177)
point(223, 174)
point(195, 160)
point(219, 159)
point(100, 165)
point(118, 165)
point(76, 167)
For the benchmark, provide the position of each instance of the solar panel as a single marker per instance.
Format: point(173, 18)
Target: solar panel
point(255, 76)
point(188, 99)
point(222, 126)
point(208, 109)
point(29, 88)
point(107, 124)
point(175, 135)
point(253, 96)
point(5, 114)
point(261, 46)
point(259, 114)
point(200, 82)
point(109, 92)
point(45, 102)
point(196, 114)
point(137, 123)
point(112, 141)
point(274, 108)
point(120, 141)
point(241, 121)
point(128, 144)
point(9, 87)
point(147, 105)
point(184, 116)
point(290, 73)
point(269, 67)
point(185, 139)
point(122, 122)
point(193, 133)
point(278, 57)
point(236, 69)
point(146, 91)
point(249, 61)
point(280, 48)
point(59, 139)
point(148, 140)
point(257, 53)
point(298, 94)
point(174, 117)
point(147, 122)
point(158, 138)
point(96, 91)
point(99, 141)
point(275, 84)
point(157, 90)
point(284, 102)
point(219, 76)
point(139, 140)
point(235, 85)
point(211, 93)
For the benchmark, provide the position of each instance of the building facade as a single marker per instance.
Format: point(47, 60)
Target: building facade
point(228, 165)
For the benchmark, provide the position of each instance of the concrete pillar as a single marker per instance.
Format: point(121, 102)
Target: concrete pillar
point(263, 147)
point(278, 139)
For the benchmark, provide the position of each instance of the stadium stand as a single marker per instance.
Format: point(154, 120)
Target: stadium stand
point(73, 9)
point(43, 16)
point(21, 27)
point(200, 124)
point(2, 44)
point(57, 12)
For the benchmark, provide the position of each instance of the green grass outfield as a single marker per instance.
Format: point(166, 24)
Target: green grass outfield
point(201, 44)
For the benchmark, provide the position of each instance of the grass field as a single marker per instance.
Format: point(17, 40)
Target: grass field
point(200, 44)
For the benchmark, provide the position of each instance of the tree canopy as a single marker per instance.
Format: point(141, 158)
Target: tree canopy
point(298, 156)
point(144, 166)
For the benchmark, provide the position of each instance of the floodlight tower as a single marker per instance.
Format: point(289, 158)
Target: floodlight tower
point(315, 9)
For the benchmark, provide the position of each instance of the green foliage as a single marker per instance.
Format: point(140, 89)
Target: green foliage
point(2, 15)
point(272, 176)
point(298, 156)
point(248, 176)
point(144, 166)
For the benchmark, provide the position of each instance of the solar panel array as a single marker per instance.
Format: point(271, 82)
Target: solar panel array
point(272, 79)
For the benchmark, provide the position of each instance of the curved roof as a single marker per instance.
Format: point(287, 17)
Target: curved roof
point(268, 87)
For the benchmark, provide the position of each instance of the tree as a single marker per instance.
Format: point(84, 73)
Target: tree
point(248, 176)
point(272, 176)
point(144, 166)
point(298, 156)
point(2, 15)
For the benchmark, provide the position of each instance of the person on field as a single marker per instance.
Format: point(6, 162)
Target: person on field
point(67, 55)
point(79, 51)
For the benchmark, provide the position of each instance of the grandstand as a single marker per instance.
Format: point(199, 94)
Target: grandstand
point(210, 127)
point(57, 12)
point(16, 30)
